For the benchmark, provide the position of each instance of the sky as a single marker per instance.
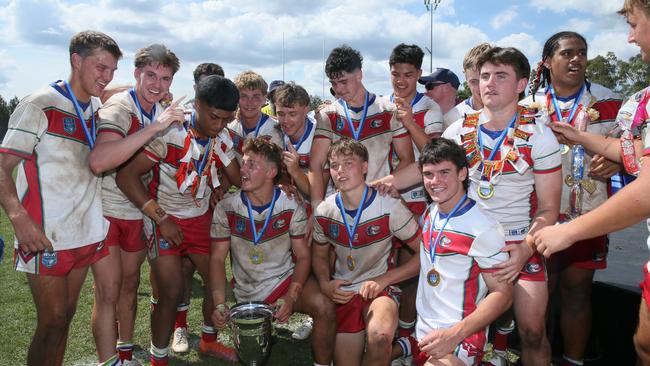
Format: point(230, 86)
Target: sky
point(283, 39)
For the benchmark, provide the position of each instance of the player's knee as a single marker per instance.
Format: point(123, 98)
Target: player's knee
point(56, 321)
point(130, 283)
point(379, 337)
point(642, 347)
point(532, 335)
point(324, 309)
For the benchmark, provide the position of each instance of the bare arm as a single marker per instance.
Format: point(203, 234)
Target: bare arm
point(232, 174)
point(317, 161)
point(407, 177)
point(218, 256)
point(404, 148)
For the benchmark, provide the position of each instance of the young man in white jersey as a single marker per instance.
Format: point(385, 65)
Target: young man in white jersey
point(251, 121)
point(442, 86)
point(422, 118)
point(570, 98)
point(55, 205)
point(359, 225)
point(359, 115)
point(184, 163)
point(629, 205)
point(127, 121)
point(458, 293)
point(262, 228)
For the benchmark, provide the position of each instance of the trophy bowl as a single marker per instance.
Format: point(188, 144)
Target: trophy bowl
point(251, 327)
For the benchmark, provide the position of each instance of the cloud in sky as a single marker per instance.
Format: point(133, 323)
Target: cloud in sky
point(504, 18)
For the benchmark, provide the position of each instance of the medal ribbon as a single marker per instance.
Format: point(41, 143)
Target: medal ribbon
point(497, 147)
point(574, 108)
point(137, 104)
point(308, 126)
point(432, 248)
point(259, 124)
point(356, 132)
point(257, 236)
point(90, 135)
point(352, 229)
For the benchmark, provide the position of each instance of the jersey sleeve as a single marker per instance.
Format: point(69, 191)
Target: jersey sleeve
point(156, 150)
point(402, 223)
point(114, 117)
point(546, 151)
point(26, 126)
point(486, 248)
point(433, 120)
point(323, 125)
point(453, 132)
point(318, 235)
point(298, 226)
point(220, 228)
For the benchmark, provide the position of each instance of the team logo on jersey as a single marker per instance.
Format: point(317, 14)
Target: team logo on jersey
point(279, 224)
point(339, 124)
point(533, 268)
point(240, 226)
point(445, 241)
point(372, 230)
point(417, 194)
point(163, 244)
point(334, 231)
point(376, 123)
point(303, 162)
point(69, 126)
point(49, 259)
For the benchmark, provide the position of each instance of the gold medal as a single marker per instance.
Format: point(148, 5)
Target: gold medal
point(485, 190)
point(256, 255)
point(588, 185)
point(433, 277)
point(351, 262)
point(568, 180)
point(564, 149)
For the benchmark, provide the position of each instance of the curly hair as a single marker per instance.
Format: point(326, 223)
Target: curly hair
point(267, 149)
point(406, 54)
point(342, 59)
point(207, 69)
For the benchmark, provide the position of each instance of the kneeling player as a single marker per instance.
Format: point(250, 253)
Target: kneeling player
point(184, 163)
point(261, 228)
point(460, 245)
point(360, 225)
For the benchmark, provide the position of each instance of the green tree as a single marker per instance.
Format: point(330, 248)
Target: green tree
point(605, 70)
point(13, 103)
point(5, 112)
point(633, 75)
point(314, 101)
point(464, 92)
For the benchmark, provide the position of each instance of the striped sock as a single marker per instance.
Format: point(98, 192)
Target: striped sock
point(181, 316)
point(501, 337)
point(208, 333)
point(159, 356)
point(566, 361)
point(125, 350)
point(405, 329)
point(113, 361)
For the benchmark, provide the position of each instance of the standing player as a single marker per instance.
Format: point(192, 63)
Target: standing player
point(570, 98)
point(472, 104)
point(460, 246)
point(252, 122)
point(184, 165)
point(630, 205)
point(360, 225)
point(359, 115)
point(442, 86)
point(126, 123)
point(58, 222)
point(262, 229)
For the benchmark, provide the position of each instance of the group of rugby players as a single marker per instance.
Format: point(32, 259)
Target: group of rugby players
point(326, 212)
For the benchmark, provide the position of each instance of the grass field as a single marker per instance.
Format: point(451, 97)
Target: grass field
point(18, 321)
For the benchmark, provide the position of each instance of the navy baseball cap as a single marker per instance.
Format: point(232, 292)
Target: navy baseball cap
point(441, 76)
point(274, 85)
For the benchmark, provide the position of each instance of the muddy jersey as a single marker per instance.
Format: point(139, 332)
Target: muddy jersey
point(537, 152)
point(267, 127)
point(54, 182)
point(379, 129)
point(382, 219)
point(603, 105)
point(470, 245)
point(121, 115)
point(257, 277)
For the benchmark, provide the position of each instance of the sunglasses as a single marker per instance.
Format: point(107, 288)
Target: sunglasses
point(431, 85)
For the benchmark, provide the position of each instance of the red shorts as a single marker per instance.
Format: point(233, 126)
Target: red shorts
point(279, 291)
point(586, 254)
point(60, 262)
point(535, 269)
point(470, 351)
point(196, 237)
point(349, 316)
point(645, 286)
point(127, 234)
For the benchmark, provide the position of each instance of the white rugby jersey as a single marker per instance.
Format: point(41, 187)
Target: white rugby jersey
point(379, 129)
point(381, 219)
point(459, 111)
point(539, 153)
point(470, 244)
point(607, 103)
point(450, 117)
point(302, 146)
point(54, 181)
point(267, 127)
point(255, 282)
point(121, 115)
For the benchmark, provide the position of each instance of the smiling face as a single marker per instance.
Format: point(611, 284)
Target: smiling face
point(210, 120)
point(152, 83)
point(639, 32)
point(251, 102)
point(444, 183)
point(292, 120)
point(404, 78)
point(256, 171)
point(568, 64)
point(95, 71)
point(347, 171)
point(499, 85)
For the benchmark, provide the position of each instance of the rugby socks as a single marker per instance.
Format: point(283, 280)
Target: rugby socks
point(208, 333)
point(500, 341)
point(566, 361)
point(405, 329)
point(181, 316)
point(113, 361)
point(125, 350)
point(159, 356)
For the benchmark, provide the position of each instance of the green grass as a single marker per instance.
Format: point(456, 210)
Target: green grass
point(18, 321)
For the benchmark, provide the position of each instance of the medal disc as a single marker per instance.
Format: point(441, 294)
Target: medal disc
point(564, 149)
point(351, 263)
point(433, 277)
point(485, 190)
point(256, 255)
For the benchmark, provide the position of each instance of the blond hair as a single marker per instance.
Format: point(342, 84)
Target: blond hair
point(251, 80)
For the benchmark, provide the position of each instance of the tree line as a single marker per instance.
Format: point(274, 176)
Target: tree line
point(6, 109)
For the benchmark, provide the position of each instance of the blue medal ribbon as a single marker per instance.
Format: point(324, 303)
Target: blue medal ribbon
point(260, 123)
point(556, 105)
point(90, 135)
point(308, 126)
point(432, 248)
point(502, 137)
point(257, 236)
point(356, 132)
point(137, 104)
point(352, 229)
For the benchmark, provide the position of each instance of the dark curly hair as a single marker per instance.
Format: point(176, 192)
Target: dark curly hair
point(406, 54)
point(269, 150)
point(342, 59)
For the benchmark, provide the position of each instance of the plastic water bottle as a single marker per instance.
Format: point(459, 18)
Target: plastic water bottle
point(578, 163)
point(2, 248)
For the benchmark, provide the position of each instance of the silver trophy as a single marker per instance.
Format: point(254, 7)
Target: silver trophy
point(251, 327)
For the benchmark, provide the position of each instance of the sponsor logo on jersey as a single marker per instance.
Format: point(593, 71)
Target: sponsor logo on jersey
point(376, 123)
point(49, 259)
point(240, 226)
point(417, 194)
point(372, 230)
point(69, 126)
point(533, 268)
point(279, 224)
point(334, 231)
point(339, 124)
point(445, 241)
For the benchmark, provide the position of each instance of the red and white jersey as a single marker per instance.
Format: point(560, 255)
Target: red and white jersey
point(380, 128)
point(458, 112)
point(303, 146)
point(538, 153)
point(450, 117)
point(267, 127)
point(607, 103)
point(470, 245)
point(120, 115)
point(382, 219)
point(54, 181)
point(255, 282)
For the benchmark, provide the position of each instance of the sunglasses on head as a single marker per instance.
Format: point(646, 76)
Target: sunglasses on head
point(431, 85)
